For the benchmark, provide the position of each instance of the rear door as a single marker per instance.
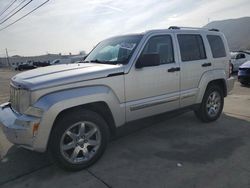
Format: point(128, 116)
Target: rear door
point(193, 63)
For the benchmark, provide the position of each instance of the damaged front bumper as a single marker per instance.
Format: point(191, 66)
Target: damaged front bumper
point(18, 128)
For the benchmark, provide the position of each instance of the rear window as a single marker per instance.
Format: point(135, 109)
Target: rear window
point(191, 47)
point(217, 46)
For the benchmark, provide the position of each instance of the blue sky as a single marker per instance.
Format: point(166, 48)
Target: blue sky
point(63, 26)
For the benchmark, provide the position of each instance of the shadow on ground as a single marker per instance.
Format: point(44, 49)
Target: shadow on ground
point(146, 149)
point(18, 162)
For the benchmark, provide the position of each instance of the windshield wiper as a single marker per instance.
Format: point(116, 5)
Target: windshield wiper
point(106, 62)
point(83, 61)
point(97, 61)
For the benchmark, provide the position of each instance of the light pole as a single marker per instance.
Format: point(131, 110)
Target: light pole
point(7, 56)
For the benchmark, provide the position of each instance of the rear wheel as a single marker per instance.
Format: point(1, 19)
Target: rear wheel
point(212, 104)
point(78, 139)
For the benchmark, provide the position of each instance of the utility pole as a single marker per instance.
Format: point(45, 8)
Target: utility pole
point(7, 56)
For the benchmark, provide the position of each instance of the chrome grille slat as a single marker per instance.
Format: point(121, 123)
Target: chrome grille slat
point(14, 97)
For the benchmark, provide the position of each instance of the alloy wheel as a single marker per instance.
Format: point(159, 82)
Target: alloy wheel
point(80, 142)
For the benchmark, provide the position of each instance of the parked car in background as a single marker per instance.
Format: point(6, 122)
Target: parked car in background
point(41, 64)
point(244, 73)
point(61, 61)
point(25, 66)
point(15, 65)
point(238, 58)
point(71, 59)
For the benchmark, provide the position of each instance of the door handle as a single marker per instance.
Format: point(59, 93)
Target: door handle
point(206, 64)
point(174, 69)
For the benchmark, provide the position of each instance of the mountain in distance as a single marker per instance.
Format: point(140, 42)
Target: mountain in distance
point(237, 32)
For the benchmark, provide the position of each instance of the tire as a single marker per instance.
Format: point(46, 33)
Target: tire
point(244, 83)
point(210, 109)
point(70, 141)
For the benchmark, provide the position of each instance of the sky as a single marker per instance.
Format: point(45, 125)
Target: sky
point(71, 26)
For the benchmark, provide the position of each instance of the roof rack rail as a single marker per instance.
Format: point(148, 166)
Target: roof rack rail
point(195, 28)
point(213, 29)
point(174, 27)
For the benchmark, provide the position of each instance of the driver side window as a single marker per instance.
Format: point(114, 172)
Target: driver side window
point(161, 45)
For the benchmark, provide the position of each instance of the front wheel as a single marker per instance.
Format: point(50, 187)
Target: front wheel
point(212, 104)
point(78, 139)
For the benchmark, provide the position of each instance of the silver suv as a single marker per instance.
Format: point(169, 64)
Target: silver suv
point(72, 110)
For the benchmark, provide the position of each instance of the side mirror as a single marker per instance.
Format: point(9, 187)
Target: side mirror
point(148, 60)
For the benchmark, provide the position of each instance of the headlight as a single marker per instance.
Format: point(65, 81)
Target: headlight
point(34, 111)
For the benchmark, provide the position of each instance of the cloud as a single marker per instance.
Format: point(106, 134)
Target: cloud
point(75, 25)
point(111, 7)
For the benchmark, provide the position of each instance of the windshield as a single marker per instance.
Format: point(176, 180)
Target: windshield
point(117, 50)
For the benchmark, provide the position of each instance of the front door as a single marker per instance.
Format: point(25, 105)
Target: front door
point(153, 90)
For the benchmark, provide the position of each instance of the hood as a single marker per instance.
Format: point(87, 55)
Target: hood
point(63, 74)
point(245, 65)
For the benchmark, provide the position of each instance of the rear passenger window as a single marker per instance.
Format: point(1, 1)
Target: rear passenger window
point(191, 47)
point(161, 45)
point(217, 46)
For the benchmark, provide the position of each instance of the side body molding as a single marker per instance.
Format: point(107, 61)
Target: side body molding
point(56, 102)
point(208, 77)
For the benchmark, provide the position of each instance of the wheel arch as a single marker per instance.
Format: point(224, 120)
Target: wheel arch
point(99, 99)
point(216, 77)
point(99, 107)
point(221, 83)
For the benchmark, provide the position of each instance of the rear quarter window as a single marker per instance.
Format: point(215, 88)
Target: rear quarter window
point(217, 46)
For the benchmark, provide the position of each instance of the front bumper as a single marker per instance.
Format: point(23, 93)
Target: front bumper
point(18, 128)
point(244, 78)
point(230, 84)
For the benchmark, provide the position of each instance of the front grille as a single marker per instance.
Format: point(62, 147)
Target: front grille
point(15, 98)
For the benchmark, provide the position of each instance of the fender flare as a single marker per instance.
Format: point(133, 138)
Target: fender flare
point(206, 78)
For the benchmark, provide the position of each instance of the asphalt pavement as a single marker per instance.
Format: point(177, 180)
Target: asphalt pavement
point(170, 150)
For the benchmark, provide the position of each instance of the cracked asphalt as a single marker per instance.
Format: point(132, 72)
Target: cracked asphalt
point(171, 150)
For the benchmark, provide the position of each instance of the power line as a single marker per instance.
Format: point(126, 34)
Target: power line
point(13, 10)
point(16, 12)
point(25, 15)
point(8, 7)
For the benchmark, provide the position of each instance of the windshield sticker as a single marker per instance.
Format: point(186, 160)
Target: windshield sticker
point(128, 46)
